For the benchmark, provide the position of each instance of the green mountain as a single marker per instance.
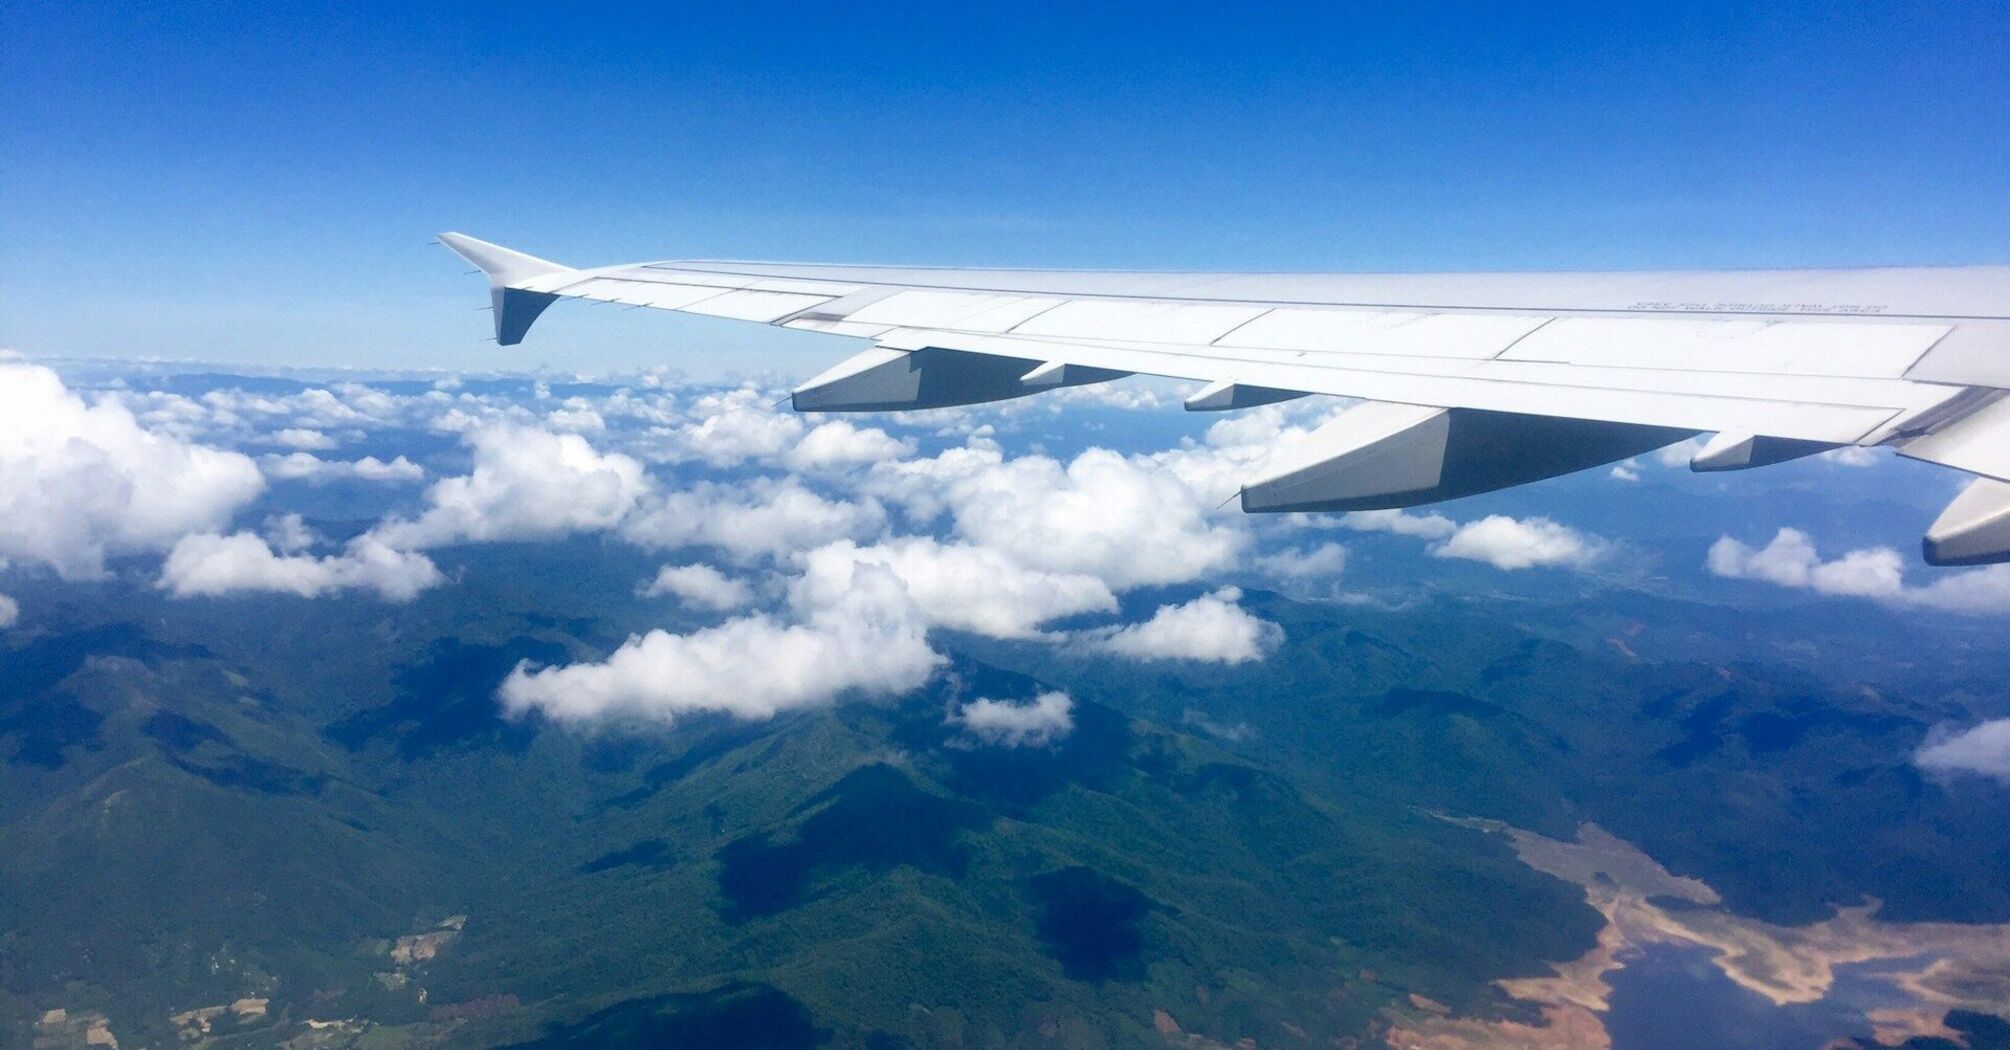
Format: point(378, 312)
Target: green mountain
point(311, 815)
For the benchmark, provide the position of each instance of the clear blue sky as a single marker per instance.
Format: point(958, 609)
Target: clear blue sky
point(256, 183)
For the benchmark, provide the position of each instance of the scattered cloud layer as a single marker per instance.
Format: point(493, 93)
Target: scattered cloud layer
point(1878, 573)
point(834, 548)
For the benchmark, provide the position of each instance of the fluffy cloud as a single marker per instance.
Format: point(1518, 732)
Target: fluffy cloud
point(526, 483)
point(298, 415)
point(870, 641)
point(579, 418)
point(839, 444)
point(1983, 750)
point(966, 588)
point(1001, 723)
point(702, 586)
point(1127, 522)
point(1239, 445)
point(1791, 560)
point(1401, 523)
point(304, 466)
point(10, 612)
point(289, 533)
point(761, 517)
point(216, 565)
point(1327, 559)
point(1209, 629)
point(1498, 540)
point(79, 482)
point(733, 426)
point(1521, 543)
point(304, 439)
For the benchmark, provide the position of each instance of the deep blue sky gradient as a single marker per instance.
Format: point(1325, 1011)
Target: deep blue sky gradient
point(256, 183)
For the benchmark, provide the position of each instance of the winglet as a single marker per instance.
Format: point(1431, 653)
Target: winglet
point(515, 308)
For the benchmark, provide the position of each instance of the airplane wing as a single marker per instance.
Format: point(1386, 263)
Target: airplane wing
point(1470, 381)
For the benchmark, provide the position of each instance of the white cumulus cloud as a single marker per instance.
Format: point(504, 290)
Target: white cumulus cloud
point(1521, 543)
point(210, 565)
point(1983, 750)
point(304, 439)
point(1401, 523)
point(702, 586)
point(732, 427)
point(840, 444)
point(578, 418)
point(1295, 563)
point(526, 483)
point(79, 482)
point(1047, 718)
point(761, 517)
point(10, 612)
point(289, 533)
point(1791, 560)
point(1128, 522)
point(1209, 629)
point(959, 586)
point(870, 642)
point(305, 466)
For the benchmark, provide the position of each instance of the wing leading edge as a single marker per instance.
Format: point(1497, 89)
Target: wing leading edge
point(1471, 382)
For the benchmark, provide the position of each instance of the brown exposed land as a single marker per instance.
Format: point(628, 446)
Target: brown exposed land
point(1940, 966)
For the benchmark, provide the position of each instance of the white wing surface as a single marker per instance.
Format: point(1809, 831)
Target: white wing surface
point(1472, 381)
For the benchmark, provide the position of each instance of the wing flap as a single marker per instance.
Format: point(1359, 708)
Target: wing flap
point(1558, 391)
point(750, 305)
point(1184, 324)
point(1397, 333)
point(956, 311)
point(1787, 348)
point(661, 296)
